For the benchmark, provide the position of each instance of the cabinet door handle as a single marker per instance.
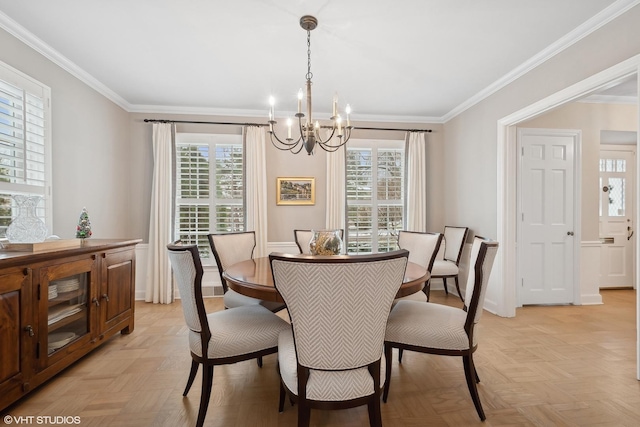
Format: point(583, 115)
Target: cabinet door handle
point(106, 297)
point(96, 302)
point(29, 329)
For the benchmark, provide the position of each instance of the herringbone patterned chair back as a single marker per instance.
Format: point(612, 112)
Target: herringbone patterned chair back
point(339, 305)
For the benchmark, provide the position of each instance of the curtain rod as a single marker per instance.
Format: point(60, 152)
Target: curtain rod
point(263, 124)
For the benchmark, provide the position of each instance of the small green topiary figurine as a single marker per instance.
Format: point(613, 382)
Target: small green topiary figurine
point(83, 230)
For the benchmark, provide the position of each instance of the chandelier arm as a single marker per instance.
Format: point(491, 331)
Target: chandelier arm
point(319, 139)
point(288, 144)
point(344, 140)
point(331, 147)
point(287, 147)
point(292, 149)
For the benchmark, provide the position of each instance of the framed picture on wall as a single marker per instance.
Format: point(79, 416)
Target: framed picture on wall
point(296, 191)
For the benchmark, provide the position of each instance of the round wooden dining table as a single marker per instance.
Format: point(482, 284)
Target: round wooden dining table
point(253, 278)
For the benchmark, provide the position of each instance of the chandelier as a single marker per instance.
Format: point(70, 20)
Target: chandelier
point(309, 132)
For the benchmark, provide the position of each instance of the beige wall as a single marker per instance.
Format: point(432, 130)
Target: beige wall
point(91, 141)
point(471, 137)
point(590, 119)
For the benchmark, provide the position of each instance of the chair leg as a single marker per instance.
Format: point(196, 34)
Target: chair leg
point(207, 382)
point(458, 289)
point(469, 373)
point(281, 402)
point(444, 283)
point(476, 372)
point(259, 360)
point(375, 417)
point(192, 376)
point(387, 374)
point(427, 289)
point(400, 353)
point(304, 414)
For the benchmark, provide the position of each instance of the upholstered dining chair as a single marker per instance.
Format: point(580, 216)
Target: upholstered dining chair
point(303, 237)
point(229, 248)
point(447, 268)
point(444, 330)
point(423, 248)
point(330, 358)
point(222, 337)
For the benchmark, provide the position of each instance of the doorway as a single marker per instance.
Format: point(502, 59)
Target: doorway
point(617, 215)
point(506, 270)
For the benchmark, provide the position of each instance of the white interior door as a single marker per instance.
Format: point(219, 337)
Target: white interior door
point(617, 172)
point(546, 242)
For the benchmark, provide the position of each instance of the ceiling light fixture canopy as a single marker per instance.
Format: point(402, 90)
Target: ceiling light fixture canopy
point(310, 132)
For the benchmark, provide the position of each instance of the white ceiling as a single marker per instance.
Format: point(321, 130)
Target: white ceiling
point(406, 60)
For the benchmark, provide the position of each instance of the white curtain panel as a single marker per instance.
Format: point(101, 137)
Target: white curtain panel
point(416, 181)
point(256, 186)
point(336, 188)
point(159, 287)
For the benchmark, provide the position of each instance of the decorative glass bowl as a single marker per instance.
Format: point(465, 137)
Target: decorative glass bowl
point(326, 242)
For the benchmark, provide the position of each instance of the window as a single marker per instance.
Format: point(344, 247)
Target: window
point(209, 187)
point(375, 195)
point(25, 158)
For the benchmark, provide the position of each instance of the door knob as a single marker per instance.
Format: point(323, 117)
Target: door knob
point(569, 233)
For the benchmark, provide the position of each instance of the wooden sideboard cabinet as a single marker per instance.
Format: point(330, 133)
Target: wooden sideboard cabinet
point(58, 305)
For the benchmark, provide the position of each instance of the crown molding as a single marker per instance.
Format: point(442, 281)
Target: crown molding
point(21, 33)
point(594, 23)
point(605, 16)
point(609, 99)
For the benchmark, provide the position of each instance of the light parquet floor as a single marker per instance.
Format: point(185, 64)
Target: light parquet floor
point(548, 366)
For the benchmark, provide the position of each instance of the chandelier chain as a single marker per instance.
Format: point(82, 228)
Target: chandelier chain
point(309, 75)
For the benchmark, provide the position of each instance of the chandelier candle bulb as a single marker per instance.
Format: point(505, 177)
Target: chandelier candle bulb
point(334, 112)
point(339, 122)
point(300, 101)
point(272, 102)
point(348, 111)
point(289, 128)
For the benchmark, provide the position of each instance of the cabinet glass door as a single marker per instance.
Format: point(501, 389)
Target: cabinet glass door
point(65, 313)
point(68, 314)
